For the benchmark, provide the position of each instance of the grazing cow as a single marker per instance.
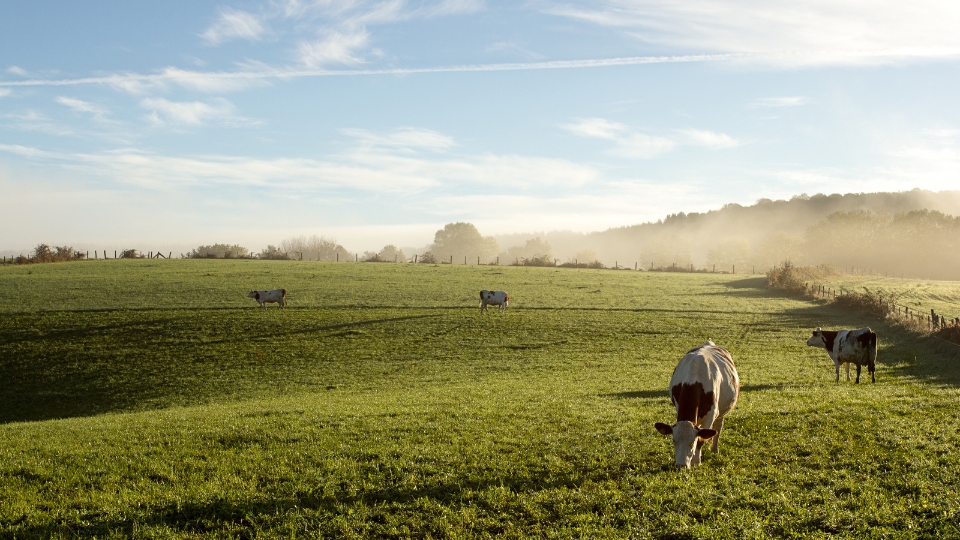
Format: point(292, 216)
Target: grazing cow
point(497, 298)
point(849, 347)
point(277, 295)
point(704, 388)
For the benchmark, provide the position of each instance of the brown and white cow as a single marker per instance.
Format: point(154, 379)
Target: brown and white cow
point(704, 388)
point(276, 295)
point(857, 347)
point(496, 298)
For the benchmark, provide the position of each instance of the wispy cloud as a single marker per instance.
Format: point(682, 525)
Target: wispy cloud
point(16, 70)
point(233, 24)
point(837, 32)
point(628, 143)
point(334, 48)
point(709, 139)
point(382, 168)
point(38, 122)
point(222, 81)
point(403, 139)
point(193, 113)
point(78, 105)
point(774, 102)
point(4, 92)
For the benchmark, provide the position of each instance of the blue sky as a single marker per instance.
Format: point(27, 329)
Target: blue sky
point(175, 124)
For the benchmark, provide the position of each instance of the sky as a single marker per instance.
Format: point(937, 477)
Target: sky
point(158, 125)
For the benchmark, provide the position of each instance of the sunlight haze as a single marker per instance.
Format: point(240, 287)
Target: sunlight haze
point(168, 125)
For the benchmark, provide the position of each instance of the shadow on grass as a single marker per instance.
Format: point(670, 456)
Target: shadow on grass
point(138, 365)
point(663, 394)
point(911, 353)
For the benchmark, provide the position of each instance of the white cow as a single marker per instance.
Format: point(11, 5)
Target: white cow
point(704, 388)
point(276, 295)
point(497, 298)
point(848, 347)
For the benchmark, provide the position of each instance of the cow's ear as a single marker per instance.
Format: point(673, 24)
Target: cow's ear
point(663, 428)
point(706, 433)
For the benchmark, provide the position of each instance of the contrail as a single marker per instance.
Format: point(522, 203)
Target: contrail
point(182, 76)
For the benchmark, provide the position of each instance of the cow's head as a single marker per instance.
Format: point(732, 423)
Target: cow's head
point(816, 340)
point(687, 441)
point(252, 294)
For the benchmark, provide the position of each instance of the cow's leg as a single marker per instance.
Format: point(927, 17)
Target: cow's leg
point(718, 425)
point(848, 371)
point(858, 373)
point(836, 364)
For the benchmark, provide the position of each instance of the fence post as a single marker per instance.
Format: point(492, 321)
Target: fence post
point(734, 269)
point(498, 260)
point(356, 257)
point(464, 259)
point(478, 261)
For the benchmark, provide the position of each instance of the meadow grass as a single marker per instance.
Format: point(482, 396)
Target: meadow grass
point(152, 399)
point(921, 295)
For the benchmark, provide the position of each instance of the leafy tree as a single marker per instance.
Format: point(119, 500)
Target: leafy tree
point(463, 240)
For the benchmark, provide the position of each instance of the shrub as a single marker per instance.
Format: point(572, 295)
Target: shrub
point(220, 251)
point(428, 258)
point(538, 260)
point(794, 279)
point(876, 303)
point(272, 253)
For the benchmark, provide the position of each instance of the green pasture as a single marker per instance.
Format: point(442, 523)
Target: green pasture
point(917, 294)
point(152, 399)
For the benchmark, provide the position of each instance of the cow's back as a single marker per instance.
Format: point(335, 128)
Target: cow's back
point(713, 368)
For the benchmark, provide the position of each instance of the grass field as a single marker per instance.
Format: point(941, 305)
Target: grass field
point(151, 399)
point(917, 294)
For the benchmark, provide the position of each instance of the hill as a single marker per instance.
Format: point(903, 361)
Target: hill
point(764, 234)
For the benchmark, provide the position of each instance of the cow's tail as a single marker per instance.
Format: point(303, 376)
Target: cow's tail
point(872, 352)
point(283, 293)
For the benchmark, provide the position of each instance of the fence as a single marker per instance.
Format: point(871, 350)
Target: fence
point(935, 320)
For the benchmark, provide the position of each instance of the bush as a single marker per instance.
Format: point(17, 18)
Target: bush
point(538, 260)
point(876, 303)
point(427, 258)
point(44, 254)
point(794, 279)
point(220, 251)
point(272, 253)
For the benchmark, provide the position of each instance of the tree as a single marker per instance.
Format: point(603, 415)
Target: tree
point(534, 249)
point(314, 248)
point(461, 240)
point(391, 253)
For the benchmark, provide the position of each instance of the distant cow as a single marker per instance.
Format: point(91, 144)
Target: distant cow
point(849, 347)
point(497, 298)
point(704, 388)
point(262, 297)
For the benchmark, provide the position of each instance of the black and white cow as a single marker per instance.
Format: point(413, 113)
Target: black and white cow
point(848, 347)
point(496, 298)
point(704, 388)
point(276, 295)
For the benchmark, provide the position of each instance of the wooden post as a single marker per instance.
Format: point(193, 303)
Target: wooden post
point(451, 259)
point(498, 260)
point(635, 265)
point(464, 259)
point(114, 254)
point(734, 269)
point(414, 258)
point(478, 261)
